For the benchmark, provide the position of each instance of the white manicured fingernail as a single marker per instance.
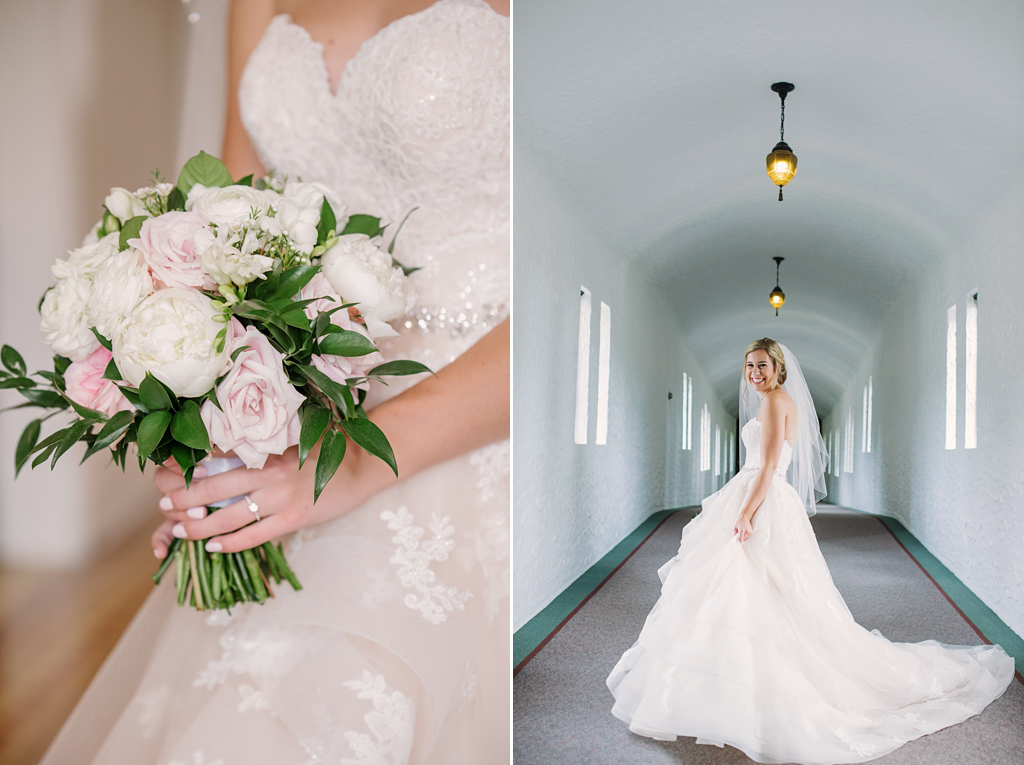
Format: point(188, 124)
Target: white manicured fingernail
point(214, 547)
point(196, 512)
point(165, 503)
point(179, 531)
point(157, 555)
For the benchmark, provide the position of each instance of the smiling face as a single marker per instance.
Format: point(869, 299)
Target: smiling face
point(760, 371)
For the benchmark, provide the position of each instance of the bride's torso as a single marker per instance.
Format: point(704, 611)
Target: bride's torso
point(419, 119)
point(751, 435)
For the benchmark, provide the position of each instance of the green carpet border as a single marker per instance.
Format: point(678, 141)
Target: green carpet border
point(532, 636)
point(984, 620)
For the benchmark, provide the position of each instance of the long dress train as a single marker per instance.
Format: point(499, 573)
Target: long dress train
point(751, 645)
point(396, 650)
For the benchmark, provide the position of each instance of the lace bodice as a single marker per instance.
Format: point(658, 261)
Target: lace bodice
point(751, 435)
point(420, 119)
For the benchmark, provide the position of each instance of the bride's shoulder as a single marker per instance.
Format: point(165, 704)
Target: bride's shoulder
point(779, 400)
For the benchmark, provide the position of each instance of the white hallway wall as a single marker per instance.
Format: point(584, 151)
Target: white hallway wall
point(964, 505)
point(573, 503)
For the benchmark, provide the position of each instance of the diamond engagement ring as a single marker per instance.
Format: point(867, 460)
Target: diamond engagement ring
point(253, 507)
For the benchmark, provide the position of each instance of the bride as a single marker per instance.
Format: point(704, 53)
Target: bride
point(396, 650)
point(751, 644)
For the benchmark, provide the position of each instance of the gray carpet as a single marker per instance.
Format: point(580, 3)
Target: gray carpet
point(561, 704)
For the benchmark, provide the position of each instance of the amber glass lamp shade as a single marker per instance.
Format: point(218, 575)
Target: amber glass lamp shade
point(781, 164)
point(777, 299)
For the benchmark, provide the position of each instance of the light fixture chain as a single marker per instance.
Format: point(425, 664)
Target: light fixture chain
point(782, 123)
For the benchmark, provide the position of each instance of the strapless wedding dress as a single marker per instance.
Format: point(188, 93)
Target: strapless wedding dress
point(751, 645)
point(396, 650)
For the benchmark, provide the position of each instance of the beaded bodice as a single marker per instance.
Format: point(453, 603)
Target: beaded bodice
point(751, 435)
point(420, 119)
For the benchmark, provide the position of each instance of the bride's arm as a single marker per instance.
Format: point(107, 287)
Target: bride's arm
point(246, 24)
point(773, 430)
point(464, 407)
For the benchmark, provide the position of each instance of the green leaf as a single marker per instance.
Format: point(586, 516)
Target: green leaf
point(151, 431)
point(246, 181)
point(314, 418)
point(133, 397)
point(346, 343)
point(175, 200)
point(153, 394)
point(44, 455)
point(188, 427)
point(332, 452)
point(363, 224)
point(61, 364)
point(27, 442)
point(113, 429)
point(13, 360)
point(103, 341)
point(183, 455)
point(130, 230)
point(328, 222)
point(86, 412)
point(71, 437)
point(331, 389)
point(371, 438)
point(205, 169)
point(112, 372)
point(48, 399)
point(237, 351)
point(399, 367)
point(17, 382)
point(294, 279)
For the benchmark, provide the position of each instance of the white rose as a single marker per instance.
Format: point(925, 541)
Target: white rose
point(172, 334)
point(65, 324)
point(228, 263)
point(362, 273)
point(312, 195)
point(122, 282)
point(124, 205)
point(85, 261)
point(228, 206)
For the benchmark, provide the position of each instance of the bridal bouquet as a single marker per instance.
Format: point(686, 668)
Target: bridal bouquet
point(214, 314)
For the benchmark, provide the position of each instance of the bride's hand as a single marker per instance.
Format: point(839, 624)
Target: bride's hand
point(743, 529)
point(282, 492)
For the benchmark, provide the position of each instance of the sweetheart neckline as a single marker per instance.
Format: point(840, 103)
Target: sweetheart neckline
point(334, 90)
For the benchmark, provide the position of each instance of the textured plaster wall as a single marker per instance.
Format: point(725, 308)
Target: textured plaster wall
point(965, 505)
point(573, 503)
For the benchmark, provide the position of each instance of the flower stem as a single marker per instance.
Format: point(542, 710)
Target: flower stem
point(197, 593)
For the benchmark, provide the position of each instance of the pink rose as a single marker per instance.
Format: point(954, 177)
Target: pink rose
point(86, 385)
point(167, 247)
point(338, 368)
point(260, 406)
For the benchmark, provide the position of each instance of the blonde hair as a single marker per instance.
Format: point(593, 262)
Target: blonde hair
point(774, 352)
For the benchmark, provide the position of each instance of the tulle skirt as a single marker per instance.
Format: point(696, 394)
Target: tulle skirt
point(395, 651)
point(751, 645)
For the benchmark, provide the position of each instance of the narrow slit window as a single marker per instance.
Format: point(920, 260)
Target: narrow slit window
point(686, 412)
point(583, 368)
point(971, 374)
point(705, 439)
point(870, 421)
point(689, 415)
point(951, 377)
point(718, 451)
point(848, 451)
point(603, 372)
point(835, 461)
point(864, 423)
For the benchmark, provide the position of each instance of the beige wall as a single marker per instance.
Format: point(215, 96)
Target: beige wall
point(90, 97)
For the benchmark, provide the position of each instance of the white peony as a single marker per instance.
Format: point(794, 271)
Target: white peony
point(85, 261)
point(312, 195)
point(299, 224)
point(122, 282)
point(228, 263)
point(228, 206)
point(363, 273)
point(172, 334)
point(124, 205)
point(65, 323)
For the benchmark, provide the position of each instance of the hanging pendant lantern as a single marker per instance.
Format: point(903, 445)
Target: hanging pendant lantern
point(782, 161)
point(777, 297)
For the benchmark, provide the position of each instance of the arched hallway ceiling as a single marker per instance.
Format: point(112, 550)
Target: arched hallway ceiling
point(653, 119)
